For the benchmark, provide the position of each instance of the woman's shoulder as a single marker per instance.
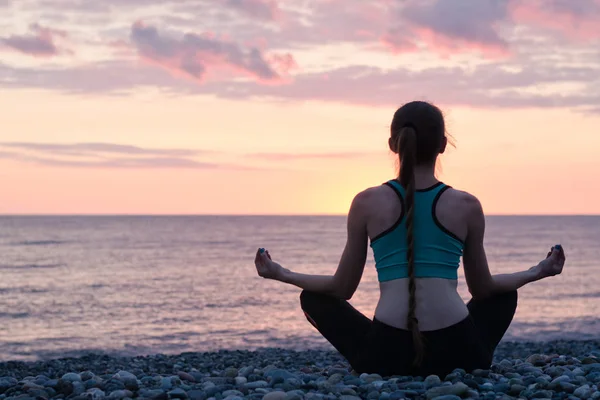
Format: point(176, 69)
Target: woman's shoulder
point(463, 200)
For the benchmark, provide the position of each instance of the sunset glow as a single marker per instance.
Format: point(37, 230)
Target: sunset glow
point(283, 107)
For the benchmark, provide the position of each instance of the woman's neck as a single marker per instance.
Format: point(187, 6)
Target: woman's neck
point(425, 176)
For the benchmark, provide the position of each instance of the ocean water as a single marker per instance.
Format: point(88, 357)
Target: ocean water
point(144, 285)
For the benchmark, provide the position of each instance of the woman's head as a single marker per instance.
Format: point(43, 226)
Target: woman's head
point(425, 122)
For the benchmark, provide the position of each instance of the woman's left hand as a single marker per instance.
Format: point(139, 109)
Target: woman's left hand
point(266, 267)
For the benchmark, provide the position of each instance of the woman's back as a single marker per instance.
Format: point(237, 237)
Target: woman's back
point(441, 219)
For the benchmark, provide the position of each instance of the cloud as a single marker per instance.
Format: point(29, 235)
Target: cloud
point(194, 54)
point(308, 156)
point(40, 42)
point(260, 9)
point(488, 85)
point(450, 26)
point(106, 155)
point(576, 19)
point(81, 149)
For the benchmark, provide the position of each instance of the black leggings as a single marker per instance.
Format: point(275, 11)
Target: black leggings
point(374, 347)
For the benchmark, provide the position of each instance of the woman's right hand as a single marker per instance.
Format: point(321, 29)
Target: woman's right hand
point(553, 264)
point(266, 267)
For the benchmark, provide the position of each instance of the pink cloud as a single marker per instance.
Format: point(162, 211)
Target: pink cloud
point(193, 55)
point(260, 9)
point(308, 156)
point(40, 42)
point(578, 20)
point(448, 27)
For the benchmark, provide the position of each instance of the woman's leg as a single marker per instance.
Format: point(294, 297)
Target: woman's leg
point(340, 323)
point(492, 316)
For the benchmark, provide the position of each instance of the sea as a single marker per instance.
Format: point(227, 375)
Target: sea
point(138, 285)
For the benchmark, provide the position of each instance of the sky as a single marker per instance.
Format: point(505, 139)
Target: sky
point(284, 107)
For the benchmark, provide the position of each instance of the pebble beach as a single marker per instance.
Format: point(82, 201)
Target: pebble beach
point(525, 370)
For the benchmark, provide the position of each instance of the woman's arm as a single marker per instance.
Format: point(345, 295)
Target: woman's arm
point(477, 273)
point(344, 282)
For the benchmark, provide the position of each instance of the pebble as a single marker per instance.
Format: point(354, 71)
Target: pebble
point(256, 385)
point(178, 393)
point(120, 394)
point(240, 380)
point(447, 397)
point(457, 389)
point(432, 381)
point(562, 370)
point(274, 396)
point(71, 377)
point(230, 372)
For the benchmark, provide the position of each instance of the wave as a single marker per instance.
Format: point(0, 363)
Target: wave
point(15, 315)
point(29, 266)
point(38, 243)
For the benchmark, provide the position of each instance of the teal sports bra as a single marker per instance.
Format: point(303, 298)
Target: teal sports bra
point(437, 250)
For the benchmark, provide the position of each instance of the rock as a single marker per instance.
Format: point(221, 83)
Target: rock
point(335, 379)
point(294, 395)
point(95, 394)
point(371, 377)
point(594, 377)
point(432, 381)
point(378, 384)
point(232, 392)
point(397, 395)
point(541, 394)
point(65, 387)
point(447, 397)
point(120, 394)
point(122, 375)
point(184, 376)
point(373, 395)
point(49, 383)
point(275, 396)
point(196, 394)
point(516, 389)
point(583, 392)
point(484, 373)
point(567, 387)
point(230, 372)
point(78, 388)
point(240, 380)
point(562, 378)
point(501, 387)
point(178, 393)
point(71, 377)
point(166, 383)
point(279, 375)
point(457, 389)
point(86, 375)
point(35, 393)
point(161, 396)
point(256, 385)
point(245, 371)
point(412, 385)
point(537, 359)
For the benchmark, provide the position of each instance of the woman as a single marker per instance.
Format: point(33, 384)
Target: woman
point(418, 228)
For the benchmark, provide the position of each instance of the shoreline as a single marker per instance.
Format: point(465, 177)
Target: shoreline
point(557, 370)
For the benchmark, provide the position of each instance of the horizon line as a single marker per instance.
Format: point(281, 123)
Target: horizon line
point(250, 215)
